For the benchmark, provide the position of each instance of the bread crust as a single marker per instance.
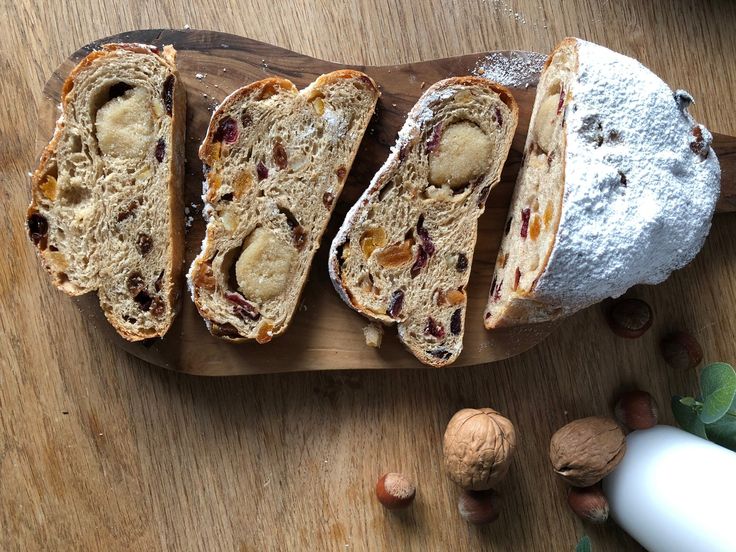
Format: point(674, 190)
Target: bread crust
point(175, 160)
point(384, 174)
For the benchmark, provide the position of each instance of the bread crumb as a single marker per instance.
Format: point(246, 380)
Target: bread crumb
point(373, 334)
point(200, 76)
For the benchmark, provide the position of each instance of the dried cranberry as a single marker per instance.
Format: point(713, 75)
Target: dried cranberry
point(227, 131)
point(443, 354)
point(160, 150)
point(517, 277)
point(525, 214)
point(144, 243)
point(456, 322)
point(327, 200)
point(144, 300)
point(434, 138)
point(508, 226)
point(498, 118)
point(341, 172)
point(419, 263)
point(424, 236)
point(699, 145)
point(434, 329)
point(241, 306)
point(38, 227)
point(397, 302)
point(462, 262)
point(167, 94)
point(561, 102)
point(135, 283)
point(261, 170)
point(279, 155)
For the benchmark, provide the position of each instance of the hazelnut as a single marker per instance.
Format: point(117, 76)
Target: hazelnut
point(478, 446)
point(629, 318)
point(478, 507)
point(395, 491)
point(588, 503)
point(462, 154)
point(585, 451)
point(636, 410)
point(681, 350)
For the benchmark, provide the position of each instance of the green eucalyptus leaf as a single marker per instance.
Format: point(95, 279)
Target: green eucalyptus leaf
point(723, 432)
point(584, 544)
point(687, 418)
point(718, 384)
point(691, 402)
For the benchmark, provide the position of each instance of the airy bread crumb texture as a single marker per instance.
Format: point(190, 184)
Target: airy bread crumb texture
point(276, 160)
point(404, 252)
point(106, 213)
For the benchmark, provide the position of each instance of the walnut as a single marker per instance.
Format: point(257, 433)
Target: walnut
point(585, 451)
point(463, 154)
point(478, 447)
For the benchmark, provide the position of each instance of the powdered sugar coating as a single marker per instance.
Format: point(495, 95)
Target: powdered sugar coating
point(617, 231)
point(512, 69)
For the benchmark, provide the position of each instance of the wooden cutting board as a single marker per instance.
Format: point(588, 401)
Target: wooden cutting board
point(325, 334)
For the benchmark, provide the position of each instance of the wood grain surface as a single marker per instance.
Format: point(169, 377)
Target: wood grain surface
point(102, 451)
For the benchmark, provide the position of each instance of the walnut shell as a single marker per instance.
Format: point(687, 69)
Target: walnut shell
point(585, 451)
point(478, 447)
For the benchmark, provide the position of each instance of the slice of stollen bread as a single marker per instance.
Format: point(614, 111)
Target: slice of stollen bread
point(617, 187)
point(404, 251)
point(276, 160)
point(106, 213)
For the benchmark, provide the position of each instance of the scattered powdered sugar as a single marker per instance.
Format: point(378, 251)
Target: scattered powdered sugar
point(512, 69)
point(200, 76)
point(638, 201)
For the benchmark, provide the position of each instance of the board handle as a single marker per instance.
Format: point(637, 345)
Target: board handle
point(725, 148)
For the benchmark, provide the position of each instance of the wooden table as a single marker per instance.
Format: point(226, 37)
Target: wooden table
point(99, 451)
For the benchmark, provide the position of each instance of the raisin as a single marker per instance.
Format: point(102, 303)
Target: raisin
point(246, 119)
point(525, 214)
point(118, 89)
point(623, 179)
point(424, 236)
point(279, 155)
point(158, 308)
point(462, 262)
point(144, 300)
point(456, 322)
point(128, 212)
point(517, 277)
point(224, 330)
point(38, 227)
point(420, 262)
point(135, 283)
point(699, 145)
point(341, 172)
point(434, 138)
point(227, 197)
point(327, 200)
point(443, 354)
point(483, 195)
point(508, 226)
point(498, 118)
point(167, 94)
point(561, 102)
point(227, 131)
point(497, 291)
point(261, 170)
point(241, 306)
point(144, 243)
point(159, 281)
point(397, 302)
point(299, 237)
point(434, 329)
point(160, 150)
